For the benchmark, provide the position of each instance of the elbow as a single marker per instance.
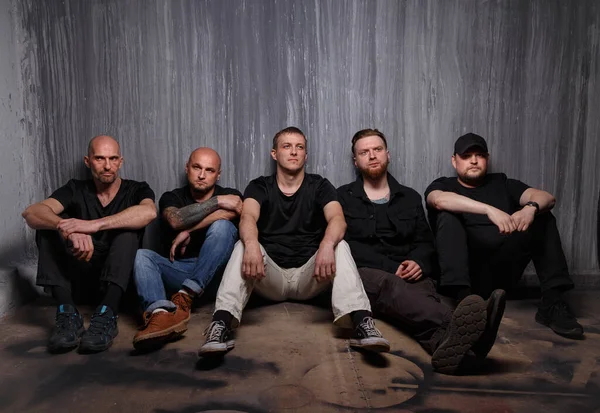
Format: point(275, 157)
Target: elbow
point(551, 202)
point(152, 215)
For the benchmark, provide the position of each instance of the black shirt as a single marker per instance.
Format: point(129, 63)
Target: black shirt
point(380, 243)
point(79, 199)
point(290, 228)
point(180, 198)
point(496, 190)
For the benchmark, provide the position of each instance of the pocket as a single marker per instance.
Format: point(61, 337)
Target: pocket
point(405, 222)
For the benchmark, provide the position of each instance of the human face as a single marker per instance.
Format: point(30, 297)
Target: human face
point(471, 167)
point(290, 154)
point(371, 157)
point(104, 160)
point(203, 170)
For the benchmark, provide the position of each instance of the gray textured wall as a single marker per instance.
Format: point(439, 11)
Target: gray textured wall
point(13, 163)
point(167, 76)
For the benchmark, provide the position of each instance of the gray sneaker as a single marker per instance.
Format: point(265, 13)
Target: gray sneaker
point(366, 336)
point(219, 340)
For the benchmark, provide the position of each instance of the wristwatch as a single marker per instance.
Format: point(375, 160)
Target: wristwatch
point(533, 204)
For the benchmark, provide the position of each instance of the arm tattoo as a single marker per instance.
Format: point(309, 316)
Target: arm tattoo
point(192, 214)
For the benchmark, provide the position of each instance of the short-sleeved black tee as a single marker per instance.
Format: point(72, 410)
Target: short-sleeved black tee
point(79, 199)
point(290, 228)
point(180, 198)
point(497, 190)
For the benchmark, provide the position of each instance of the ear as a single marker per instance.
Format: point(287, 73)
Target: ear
point(454, 161)
point(274, 154)
point(86, 161)
point(354, 160)
point(120, 162)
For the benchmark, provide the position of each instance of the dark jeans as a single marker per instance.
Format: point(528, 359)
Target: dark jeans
point(484, 259)
point(413, 307)
point(112, 262)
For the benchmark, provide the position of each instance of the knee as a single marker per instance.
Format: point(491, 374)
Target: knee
point(222, 228)
point(142, 259)
point(447, 219)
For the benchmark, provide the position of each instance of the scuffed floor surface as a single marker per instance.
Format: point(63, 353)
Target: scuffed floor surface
point(289, 358)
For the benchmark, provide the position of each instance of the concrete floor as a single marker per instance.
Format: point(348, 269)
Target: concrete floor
point(289, 358)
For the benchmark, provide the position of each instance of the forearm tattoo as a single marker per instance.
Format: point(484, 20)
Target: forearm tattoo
point(192, 214)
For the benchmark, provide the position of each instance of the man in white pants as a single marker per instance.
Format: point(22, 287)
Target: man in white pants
point(291, 247)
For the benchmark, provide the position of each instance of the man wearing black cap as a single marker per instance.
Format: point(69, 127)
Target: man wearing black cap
point(489, 227)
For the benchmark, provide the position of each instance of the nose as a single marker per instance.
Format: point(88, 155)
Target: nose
point(473, 159)
point(294, 150)
point(202, 174)
point(107, 164)
point(372, 154)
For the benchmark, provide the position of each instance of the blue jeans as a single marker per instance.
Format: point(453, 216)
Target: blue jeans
point(155, 274)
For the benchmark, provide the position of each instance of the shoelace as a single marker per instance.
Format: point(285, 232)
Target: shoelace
point(214, 330)
point(369, 326)
point(181, 301)
point(66, 321)
point(99, 324)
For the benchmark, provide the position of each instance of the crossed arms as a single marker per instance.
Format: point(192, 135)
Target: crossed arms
point(519, 221)
point(197, 216)
point(45, 216)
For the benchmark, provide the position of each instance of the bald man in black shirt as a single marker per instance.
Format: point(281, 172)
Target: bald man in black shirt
point(90, 229)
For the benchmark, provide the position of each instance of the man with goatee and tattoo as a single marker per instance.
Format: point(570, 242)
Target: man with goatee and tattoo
point(489, 227)
point(393, 248)
point(88, 232)
point(291, 230)
point(198, 230)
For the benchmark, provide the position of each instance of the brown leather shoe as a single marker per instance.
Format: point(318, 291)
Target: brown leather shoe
point(184, 303)
point(160, 328)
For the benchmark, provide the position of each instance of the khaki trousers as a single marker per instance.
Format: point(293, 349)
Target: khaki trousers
point(280, 284)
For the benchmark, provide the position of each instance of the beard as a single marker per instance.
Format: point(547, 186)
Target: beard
point(473, 180)
point(375, 173)
point(107, 179)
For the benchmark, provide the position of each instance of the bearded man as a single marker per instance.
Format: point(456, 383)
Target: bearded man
point(393, 248)
point(487, 229)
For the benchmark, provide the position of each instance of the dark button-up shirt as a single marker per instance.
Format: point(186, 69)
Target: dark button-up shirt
point(411, 238)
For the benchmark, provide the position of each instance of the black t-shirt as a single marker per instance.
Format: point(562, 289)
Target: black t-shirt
point(384, 229)
point(180, 198)
point(497, 190)
point(290, 228)
point(79, 199)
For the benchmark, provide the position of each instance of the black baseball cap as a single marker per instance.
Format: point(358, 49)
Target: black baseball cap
point(468, 141)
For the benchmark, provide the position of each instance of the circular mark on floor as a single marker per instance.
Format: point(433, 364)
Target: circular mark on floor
point(287, 396)
point(348, 381)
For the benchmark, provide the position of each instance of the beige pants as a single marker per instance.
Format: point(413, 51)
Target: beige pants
point(280, 284)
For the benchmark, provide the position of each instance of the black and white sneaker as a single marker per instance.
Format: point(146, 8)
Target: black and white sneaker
point(366, 336)
point(103, 329)
point(219, 340)
point(67, 331)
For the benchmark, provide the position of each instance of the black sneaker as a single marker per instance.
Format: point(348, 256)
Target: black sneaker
point(67, 331)
point(219, 340)
point(368, 337)
point(103, 329)
point(495, 310)
point(465, 329)
point(560, 319)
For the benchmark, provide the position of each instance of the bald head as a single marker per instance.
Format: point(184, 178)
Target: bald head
point(203, 170)
point(206, 153)
point(103, 141)
point(104, 159)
